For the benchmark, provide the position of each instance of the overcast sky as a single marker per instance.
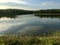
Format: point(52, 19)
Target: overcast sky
point(30, 4)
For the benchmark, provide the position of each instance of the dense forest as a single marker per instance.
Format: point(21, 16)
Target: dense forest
point(13, 12)
point(48, 12)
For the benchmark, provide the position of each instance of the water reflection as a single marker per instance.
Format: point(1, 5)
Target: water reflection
point(29, 24)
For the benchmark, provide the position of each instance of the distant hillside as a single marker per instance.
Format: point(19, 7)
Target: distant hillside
point(13, 12)
point(48, 12)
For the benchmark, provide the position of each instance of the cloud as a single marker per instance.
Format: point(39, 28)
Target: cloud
point(4, 7)
point(14, 1)
point(47, 3)
point(16, 4)
point(19, 1)
point(4, 1)
point(7, 6)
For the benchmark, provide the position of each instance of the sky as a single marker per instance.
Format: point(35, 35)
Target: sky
point(30, 4)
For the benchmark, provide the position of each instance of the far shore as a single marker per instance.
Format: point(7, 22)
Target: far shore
point(55, 14)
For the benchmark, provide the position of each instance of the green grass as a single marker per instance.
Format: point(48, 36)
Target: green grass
point(29, 40)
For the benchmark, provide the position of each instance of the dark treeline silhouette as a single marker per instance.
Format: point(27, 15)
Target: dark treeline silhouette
point(13, 12)
point(48, 12)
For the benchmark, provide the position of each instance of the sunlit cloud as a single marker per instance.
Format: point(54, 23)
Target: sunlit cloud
point(19, 1)
point(14, 1)
point(4, 6)
point(16, 4)
point(4, 1)
point(17, 7)
point(29, 5)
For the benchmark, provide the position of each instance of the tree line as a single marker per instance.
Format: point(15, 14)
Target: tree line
point(49, 11)
point(13, 12)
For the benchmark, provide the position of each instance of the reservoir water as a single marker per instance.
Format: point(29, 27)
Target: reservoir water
point(29, 24)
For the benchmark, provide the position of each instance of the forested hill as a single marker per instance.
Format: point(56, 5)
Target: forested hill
point(13, 12)
point(49, 11)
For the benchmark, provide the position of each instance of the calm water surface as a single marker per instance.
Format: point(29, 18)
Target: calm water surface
point(29, 23)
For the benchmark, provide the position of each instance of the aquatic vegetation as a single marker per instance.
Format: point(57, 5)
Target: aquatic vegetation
point(30, 40)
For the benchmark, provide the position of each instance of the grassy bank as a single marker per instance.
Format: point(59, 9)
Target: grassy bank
point(29, 40)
